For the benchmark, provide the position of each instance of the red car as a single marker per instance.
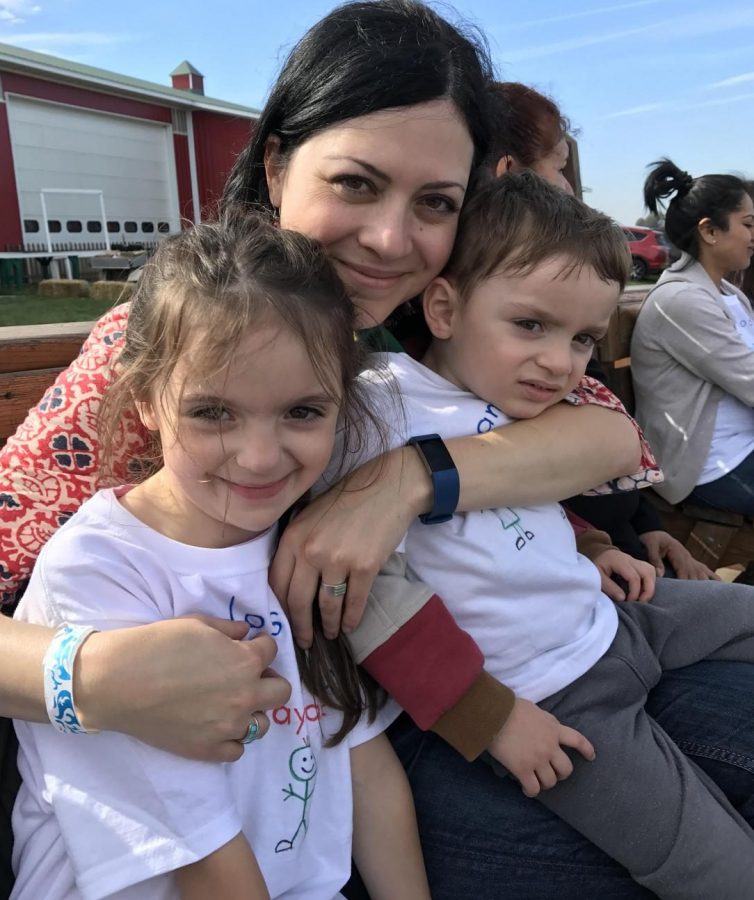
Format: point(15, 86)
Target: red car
point(650, 251)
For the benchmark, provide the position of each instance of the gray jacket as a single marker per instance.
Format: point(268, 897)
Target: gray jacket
point(685, 356)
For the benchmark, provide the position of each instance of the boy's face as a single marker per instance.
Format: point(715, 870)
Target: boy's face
point(520, 342)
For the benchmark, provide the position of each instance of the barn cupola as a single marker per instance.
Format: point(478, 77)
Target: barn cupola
point(186, 78)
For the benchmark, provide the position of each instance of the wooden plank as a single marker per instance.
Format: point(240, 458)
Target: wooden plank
point(616, 344)
point(19, 392)
point(31, 347)
point(709, 541)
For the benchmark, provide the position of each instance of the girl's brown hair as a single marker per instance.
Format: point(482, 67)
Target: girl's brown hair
point(198, 296)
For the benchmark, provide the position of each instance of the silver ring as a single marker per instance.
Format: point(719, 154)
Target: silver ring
point(252, 732)
point(335, 590)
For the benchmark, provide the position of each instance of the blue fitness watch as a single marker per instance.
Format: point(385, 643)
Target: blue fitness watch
point(442, 470)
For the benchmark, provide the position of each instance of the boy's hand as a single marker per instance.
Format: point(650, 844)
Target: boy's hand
point(530, 746)
point(638, 576)
point(661, 545)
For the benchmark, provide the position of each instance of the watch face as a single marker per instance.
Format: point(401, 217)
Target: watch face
point(436, 454)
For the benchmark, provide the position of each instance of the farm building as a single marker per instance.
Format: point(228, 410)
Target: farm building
point(90, 158)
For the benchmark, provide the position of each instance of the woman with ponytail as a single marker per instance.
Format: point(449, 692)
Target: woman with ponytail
point(693, 346)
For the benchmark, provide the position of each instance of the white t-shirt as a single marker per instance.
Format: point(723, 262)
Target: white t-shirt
point(733, 435)
point(105, 815)
point(512, 578)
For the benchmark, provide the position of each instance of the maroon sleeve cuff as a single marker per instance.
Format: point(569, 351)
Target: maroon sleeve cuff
point(428, 664)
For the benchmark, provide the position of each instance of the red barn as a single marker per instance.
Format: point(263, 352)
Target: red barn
point(89, 157)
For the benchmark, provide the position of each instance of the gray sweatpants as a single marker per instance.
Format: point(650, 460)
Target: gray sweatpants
point(641, 800)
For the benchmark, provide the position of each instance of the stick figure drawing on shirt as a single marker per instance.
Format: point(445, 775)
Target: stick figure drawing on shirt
point(303, 766)
point(509, 518)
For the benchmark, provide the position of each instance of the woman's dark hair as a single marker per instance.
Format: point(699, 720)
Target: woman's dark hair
point(525, 124)
point(361, 58)
point(712, 197)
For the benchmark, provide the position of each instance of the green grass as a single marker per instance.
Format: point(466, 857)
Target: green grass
point(26, 307)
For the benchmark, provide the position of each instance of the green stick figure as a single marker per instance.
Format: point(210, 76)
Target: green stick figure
point(303, 766)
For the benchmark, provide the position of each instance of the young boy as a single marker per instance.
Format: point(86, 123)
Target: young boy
point(529, 290)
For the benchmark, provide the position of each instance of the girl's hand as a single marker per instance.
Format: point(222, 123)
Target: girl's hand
point(345, 535)
point(660, 546)
point(189, 686)
point(638, 575)
point(530, 746)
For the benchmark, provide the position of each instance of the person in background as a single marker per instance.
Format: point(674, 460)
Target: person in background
point(692, 348)
point(529, 132)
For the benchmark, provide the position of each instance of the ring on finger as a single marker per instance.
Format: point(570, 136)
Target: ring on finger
point(252, 732)
point(335, 590)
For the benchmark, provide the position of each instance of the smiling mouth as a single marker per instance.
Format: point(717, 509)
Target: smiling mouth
point(375, 276)
point(256, 491)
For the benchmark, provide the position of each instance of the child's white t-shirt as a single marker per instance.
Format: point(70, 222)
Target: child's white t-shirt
point(106, 815)
point(511, 577)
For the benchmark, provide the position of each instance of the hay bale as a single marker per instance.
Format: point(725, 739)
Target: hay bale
point(113, 291)
point(64, 287)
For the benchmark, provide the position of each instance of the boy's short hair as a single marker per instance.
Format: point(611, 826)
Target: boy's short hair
point(516, 222)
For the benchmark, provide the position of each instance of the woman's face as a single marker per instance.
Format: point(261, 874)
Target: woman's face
point(382, 192)
point(732, 249)
point(551, 167)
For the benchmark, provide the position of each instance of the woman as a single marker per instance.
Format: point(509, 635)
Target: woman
point(530, 133)
point(337, 152)
point(693, 345)
point(426, 62)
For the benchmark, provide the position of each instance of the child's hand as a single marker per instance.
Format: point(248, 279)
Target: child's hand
point(660, 545)
point(638, 576)
point(530, 746)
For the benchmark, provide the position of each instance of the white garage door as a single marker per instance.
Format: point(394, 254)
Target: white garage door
point(130, 160)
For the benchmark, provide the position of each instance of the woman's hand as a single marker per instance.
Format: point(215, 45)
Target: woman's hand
point(530, 746)
point(189, 686)
point(660, 546)
point(638, 575)
point(345, 535)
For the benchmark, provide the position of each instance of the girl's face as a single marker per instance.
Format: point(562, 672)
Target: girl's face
point(732, 249)
point(239, 448)
point(382, 192)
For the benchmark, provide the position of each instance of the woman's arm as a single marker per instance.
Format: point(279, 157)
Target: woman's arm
point(230, 873)
point(184, 685)
point(386, 845)
point(694, 331)
point(349, 532)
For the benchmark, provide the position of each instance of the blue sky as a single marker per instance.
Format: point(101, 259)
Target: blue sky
point(639, 78)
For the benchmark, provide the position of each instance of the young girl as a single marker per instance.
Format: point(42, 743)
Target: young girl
point(240, 360)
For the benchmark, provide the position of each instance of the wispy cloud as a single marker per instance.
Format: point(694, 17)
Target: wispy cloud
point(565, 17)
point(39, 40)
point(736, 79)
point(664, 31)
point(680, 107)
point(721, 101)
point(14, 11)
point(636, 110)
point(586, 40)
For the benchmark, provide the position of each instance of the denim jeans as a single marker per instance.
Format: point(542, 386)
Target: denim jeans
point(733, 492)
point(483, 840)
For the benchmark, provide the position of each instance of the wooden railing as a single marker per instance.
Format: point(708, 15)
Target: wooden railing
point(31, 356)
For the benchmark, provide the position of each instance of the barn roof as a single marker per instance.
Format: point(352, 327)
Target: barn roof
point(43, 65)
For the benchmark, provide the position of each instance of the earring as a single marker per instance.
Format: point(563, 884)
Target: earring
point(275, 215)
